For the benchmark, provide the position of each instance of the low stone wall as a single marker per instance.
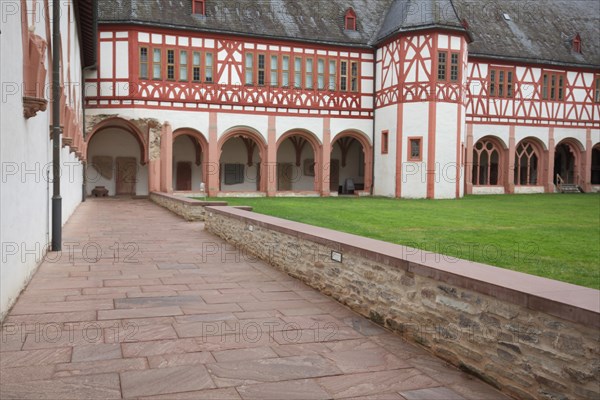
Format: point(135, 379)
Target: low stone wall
point(190, 209)
point(531, 337)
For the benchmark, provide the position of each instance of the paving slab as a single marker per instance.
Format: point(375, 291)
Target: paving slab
point(151, 316)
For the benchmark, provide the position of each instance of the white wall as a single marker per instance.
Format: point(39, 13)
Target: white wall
point(446, 139)
point(414, 174)
point(234, 152)
point(385, 164)
point(184, 150)
point(352, 162)
point(286, 153)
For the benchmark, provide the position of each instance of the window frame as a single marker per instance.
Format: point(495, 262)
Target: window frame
point(209, 67)
point(159, 63)
point(298, 72)
point(409, 156)
point(186, 65)
point(553, 85)
point(309, 73)
point(597, 89)
point(350, 20)
point(385, 141)
point(260, 70)
point(199, 7)
point(194, 66)
point(495, 86)
point(446, 66)
point(343, 83)
point(173, 64)
point(147, 63)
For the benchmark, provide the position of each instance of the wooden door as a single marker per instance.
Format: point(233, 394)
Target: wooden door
point(334, 175)
point(126, 175)
point(184, 176)
point(284, 176)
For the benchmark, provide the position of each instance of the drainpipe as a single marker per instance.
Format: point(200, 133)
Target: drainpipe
point(374, 112)
point(56, 198)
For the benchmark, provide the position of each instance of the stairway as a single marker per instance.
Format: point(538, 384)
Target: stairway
point(569, 188)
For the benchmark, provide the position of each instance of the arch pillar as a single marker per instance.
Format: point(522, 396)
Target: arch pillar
point(271, 161)
point(325, 161)
point(166, 159)
point(587, 162)
point(510, 177)
point(469, 161)
point(549, 164)
point(212, 164)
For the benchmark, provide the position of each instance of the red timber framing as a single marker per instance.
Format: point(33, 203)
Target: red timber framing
point(540, 96)
point(225, 90)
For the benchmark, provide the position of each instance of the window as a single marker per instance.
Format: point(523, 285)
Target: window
point(486, 160)
point(143, 63)
point(196, 65)
point(350, 20)
point(332, 75)
point(298, 73)
point(354, 76)
point(171, 64)
point(260, 78)
point(553, 86)
point(199, 7)
point(526, 164)
point(343, 76)
point(309, 73)
point(156, 67)
point(577, 43)
point(321, 74)
point(597, 90)
point(183, 65)
point(285, 71)
point(443, 66)
point(274, 71)
point(384, 142)
point(414, 149)
point(233, 174)
point(501, 82)
point(208, 68)
point(249, 68)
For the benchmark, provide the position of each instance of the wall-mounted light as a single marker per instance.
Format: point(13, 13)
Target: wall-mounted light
point(336, 256)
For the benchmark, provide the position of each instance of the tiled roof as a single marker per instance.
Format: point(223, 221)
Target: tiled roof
point(537, 31)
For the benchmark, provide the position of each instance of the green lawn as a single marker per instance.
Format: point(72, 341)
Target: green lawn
point(556, 236)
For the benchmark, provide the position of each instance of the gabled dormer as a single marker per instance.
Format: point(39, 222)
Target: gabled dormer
point(350, 20)
point(576, 43)
point(199, 7)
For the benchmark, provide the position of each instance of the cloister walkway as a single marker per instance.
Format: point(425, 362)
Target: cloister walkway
point(141, 304)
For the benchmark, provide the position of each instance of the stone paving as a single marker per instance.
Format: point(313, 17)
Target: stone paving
point(141, 304)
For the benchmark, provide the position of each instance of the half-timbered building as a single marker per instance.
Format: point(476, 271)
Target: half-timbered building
point(402, 98)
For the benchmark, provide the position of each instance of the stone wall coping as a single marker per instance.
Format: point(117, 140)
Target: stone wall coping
point(564, 300)
point(189, 201)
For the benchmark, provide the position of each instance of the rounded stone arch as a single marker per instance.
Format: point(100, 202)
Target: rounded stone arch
point(201, 144)
point(569, 160)
point(493, 176)
point(367, 146)
point(529, 170)
point(246, 132)
point(128, 126)
point(314, 142)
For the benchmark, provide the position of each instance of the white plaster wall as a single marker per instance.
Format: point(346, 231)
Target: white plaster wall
point(385, 164)
point(115, 142)
point(541, 133)
point(529, 189)
point(234, 152)
point(414, 174)
point(563, 133)
point(287, 154)
point(500, 131)
point(445, 151)
point(363, 125)
point(226, 121)
point(184, 150)
point(311, 124)
point(352, 162)
point(488, 190)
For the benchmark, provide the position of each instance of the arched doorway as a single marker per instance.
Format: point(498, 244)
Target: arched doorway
point(351, 163)
point(567, 156)
point(189, 149)
point(297, 153)
point(117, 159)
point(595, 175)
point(489, 162)
point(240, 161)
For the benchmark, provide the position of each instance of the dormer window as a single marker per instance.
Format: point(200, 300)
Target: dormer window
point(577, 43)
point(350, 20)
point(199, 7)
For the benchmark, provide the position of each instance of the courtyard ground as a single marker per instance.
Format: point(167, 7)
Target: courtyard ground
point(551, 235)
point(141, 304)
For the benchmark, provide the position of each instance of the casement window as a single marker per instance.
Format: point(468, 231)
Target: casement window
point(208, 67)
point(285, 71)
point(199, 7)
point(448, 67)
point(298, 73)
point(321, 74)
point(486, 163)
point(171, 65)
point(156, 63)
point(350, 20)
point(384, 142)
point(308, 79)
point(332, 75)
point(597, 90)
point(274, 71)
point(415, 150)
point(196, 66)
point(501, 82)
point(143, 63)
point(553, 86)
point(354, 76)
point(183, 65)
point(260, 69)
point(249, 68)
point(343, 76)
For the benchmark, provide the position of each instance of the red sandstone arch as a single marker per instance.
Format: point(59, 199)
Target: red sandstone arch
point(502, 149)
point(316, 145)
point(200, 142)
point(127, 126)
point(578, 150)
point(367, 147)
point(542, 153)
point(258, 139)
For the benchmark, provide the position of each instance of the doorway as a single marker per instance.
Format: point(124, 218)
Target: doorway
point(126, 175)
point(184, 176)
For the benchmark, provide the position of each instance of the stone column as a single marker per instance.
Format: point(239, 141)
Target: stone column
point(586, 175)
point(510, 178)
point(469, 161)
point(212, 164)
point(154, 165)
point(324, 166)
point(166, 159)
point(549, 163)
point(271, 161)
